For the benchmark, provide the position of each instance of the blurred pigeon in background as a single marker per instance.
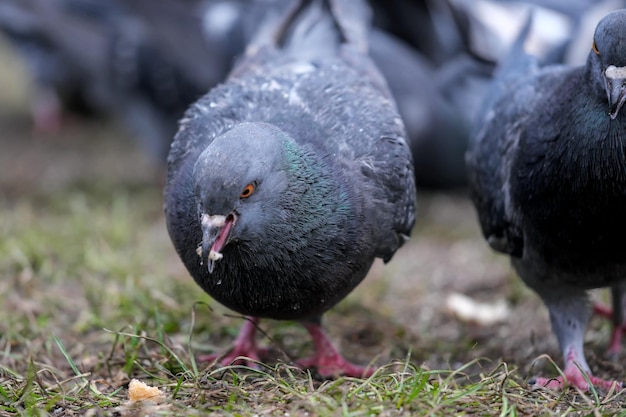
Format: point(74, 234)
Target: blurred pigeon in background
point(202, 37)
point(428, 26)
point(547, 170)
point(436, 130)
point(288, 180)
point(64, 47)
point(125, 59)
point(185, 48)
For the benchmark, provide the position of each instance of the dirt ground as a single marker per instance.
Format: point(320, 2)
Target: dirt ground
point(401, 308)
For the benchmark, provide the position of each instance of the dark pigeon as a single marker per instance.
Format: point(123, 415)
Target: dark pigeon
point(287, 181)
point(547, 169)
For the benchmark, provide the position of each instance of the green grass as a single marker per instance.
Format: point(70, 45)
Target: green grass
point(93, 295)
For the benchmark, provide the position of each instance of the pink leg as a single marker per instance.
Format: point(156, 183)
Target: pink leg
point(327, 360)
point(574, 377)
point(615, 343)
point(243, 347)
point(603, 310)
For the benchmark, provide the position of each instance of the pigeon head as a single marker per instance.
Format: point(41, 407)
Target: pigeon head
point(237, 179)
point(608, 59)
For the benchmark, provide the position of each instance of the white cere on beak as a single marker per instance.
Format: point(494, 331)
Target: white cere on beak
point(213, 221)
point(210, 223)
point(613, 72)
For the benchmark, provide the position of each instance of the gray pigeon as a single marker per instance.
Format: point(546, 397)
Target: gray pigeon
point(287, 181)
point(547, 170)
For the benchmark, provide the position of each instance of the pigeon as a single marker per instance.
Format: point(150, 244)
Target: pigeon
point(547, 172)
point(286, 181)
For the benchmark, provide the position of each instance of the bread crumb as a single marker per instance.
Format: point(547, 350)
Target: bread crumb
point(140, 391)
point(469, 310)
point(215, 256)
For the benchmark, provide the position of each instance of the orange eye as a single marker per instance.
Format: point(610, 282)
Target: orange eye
point(594, 48)
point(247, 192)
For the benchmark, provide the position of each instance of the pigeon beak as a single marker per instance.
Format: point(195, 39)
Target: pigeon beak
point(215, 232)
point(615, 84)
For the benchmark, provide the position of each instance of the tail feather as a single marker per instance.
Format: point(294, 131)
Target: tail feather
point(517, 61)
point(354, 18)
point(314, 26)
point(307, 30)
point(312, 31)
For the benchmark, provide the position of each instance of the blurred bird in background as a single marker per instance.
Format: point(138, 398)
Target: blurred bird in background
point(138, 62)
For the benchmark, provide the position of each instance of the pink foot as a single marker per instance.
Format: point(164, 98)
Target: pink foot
point(327, 360)
point(574, 377)
point(615, 343)
point(244, 351)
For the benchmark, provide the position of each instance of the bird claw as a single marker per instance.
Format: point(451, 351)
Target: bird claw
point(327, 359)
point(335, 365)
point(550, 383)
point(244, 351)
point(237, 356)
point(574, 377)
